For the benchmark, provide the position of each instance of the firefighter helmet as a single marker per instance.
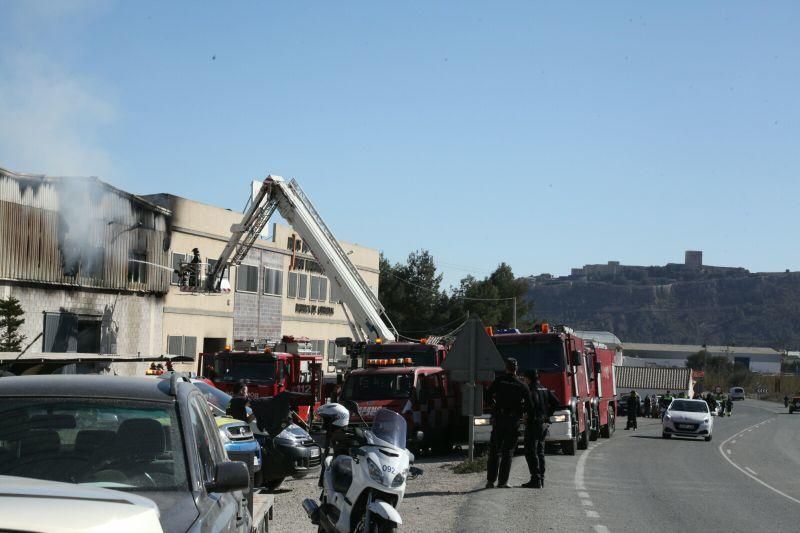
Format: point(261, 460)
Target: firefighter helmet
point(334, 414)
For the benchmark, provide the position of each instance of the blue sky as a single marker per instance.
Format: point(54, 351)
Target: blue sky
point(544, 135)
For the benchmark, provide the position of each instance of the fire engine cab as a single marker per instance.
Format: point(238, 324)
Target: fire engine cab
point(289, 366)
point(418, 393)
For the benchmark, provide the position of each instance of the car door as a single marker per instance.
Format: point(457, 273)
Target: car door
point(218, 511)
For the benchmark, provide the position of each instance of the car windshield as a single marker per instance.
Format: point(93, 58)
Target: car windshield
point(377, 387)
point(687, 406)
point(250, 368)
point(546, 356)
point(389, 427)
point(117, 444)
point(213, 395)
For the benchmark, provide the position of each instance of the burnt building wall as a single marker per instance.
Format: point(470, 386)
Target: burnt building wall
point(257, 314)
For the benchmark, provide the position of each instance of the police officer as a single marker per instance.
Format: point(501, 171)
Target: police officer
point(510, 398)
point(544, 403)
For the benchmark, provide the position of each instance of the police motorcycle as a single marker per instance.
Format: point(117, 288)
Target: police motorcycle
point(365, 479)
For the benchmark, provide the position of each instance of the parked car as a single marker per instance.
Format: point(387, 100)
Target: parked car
point(687, 418)
point(736, 393)
point(28, 504)
point(287, 450)
point(146, 437)
point(794, 404)
point(236, 435)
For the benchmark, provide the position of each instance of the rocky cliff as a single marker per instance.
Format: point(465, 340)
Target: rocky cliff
point(714, 307)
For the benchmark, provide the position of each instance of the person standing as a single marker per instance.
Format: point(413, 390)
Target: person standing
point(544, 403)
point(237, 408)
point(647, 405)
point(510, 398)
point(632, 407)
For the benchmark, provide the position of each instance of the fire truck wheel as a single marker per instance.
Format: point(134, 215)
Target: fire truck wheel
point(595, 433)
point(583, 441)
point(609, 428)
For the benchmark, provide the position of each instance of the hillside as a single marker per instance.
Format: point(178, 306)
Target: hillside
point(675, 304)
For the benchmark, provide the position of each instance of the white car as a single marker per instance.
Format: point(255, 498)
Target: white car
point(37, 505)
point(687, 418)
point(736, 393)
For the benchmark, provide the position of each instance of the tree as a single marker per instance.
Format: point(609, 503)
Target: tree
point(697, 361)
point(11, 314)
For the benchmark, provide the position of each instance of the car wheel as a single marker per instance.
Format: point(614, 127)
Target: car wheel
point(708, 439)
point(274, 484)
point(666, 436)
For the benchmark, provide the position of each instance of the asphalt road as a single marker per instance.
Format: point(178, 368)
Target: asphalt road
point(746, 479)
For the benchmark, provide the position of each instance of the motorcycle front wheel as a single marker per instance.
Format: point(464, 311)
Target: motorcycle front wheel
point(378, 525)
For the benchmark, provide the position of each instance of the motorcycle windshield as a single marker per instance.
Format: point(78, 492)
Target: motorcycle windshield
point(389, 427)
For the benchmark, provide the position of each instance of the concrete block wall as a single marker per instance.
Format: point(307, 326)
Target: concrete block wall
point(258, 316)
point(133, 321)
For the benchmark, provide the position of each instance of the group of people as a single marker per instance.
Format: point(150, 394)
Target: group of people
point(514, 401)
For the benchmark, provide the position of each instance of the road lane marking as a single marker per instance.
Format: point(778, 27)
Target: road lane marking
point(733, 441)
point(592, 514)
point(581, 467)
point(728, 452)
point(601, 529)
point(751, 470)
point(583, 495)
point(587, 503)
point(751, 476)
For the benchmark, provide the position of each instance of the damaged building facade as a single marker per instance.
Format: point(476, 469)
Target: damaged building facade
point(82, 258)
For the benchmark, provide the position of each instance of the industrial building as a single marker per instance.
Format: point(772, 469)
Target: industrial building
point(762, 360)
point(100, 274)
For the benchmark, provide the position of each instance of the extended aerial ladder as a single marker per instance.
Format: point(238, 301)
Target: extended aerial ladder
point(294, 206)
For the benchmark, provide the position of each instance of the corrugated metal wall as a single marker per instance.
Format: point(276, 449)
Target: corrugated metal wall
point(33, 226)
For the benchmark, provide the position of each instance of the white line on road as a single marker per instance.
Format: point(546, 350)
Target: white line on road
point(728, 452)
point(601, 529)
point(592, 514)
point(751, 470)
point(581, 466)
point(587, 503)
point(733, 441)
point(583, 495)
point(751, 476)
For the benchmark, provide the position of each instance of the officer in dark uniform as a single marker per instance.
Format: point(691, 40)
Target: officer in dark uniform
point(544, 404)
point(510, 398)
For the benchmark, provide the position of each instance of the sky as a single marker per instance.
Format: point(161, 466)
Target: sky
point(546, 135)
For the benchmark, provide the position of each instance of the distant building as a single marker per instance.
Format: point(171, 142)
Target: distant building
point(647, 380)
point(693, 259)
point(763, 360)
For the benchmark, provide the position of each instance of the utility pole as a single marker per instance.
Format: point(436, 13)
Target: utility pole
point(515, 312)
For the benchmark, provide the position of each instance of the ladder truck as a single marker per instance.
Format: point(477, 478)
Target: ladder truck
point(294, 206)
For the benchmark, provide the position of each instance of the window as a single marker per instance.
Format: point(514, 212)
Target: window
point(177, 259)
point(302, 286)
point(318, 346)
point(203, 441)
point(184, 346)
point(335, 353)
point(336, 293)
point(291, 290)
point(273, 281)
point(319, 288)
point(137, 269)
point(93, 263)
point(68, 332)
point(210, 268)
point(247, 278)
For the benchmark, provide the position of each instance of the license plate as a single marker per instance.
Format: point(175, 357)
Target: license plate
point(315, 452)
point(683, 426)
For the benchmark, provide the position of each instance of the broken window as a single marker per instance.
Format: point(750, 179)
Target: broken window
point(69, 332)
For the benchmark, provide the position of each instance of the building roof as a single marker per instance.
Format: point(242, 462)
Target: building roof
point(652, 377)
point(639, 349)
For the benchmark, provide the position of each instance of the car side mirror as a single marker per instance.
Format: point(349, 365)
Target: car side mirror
point(230, 476)
point(577, 358)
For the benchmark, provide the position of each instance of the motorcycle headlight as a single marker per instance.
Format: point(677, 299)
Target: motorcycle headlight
point(558, 418)
point(374, 471)
point(398, 480)
point(223, 436)
point(482, 421)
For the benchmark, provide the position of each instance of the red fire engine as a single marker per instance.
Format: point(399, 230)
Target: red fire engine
point(286, 367)
point(406, 378)
point(603, 388)
point(558, 355)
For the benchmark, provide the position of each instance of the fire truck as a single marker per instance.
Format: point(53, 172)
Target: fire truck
point(558, 355)
point(412, 387)
point(288, 366)
point(603, 389)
